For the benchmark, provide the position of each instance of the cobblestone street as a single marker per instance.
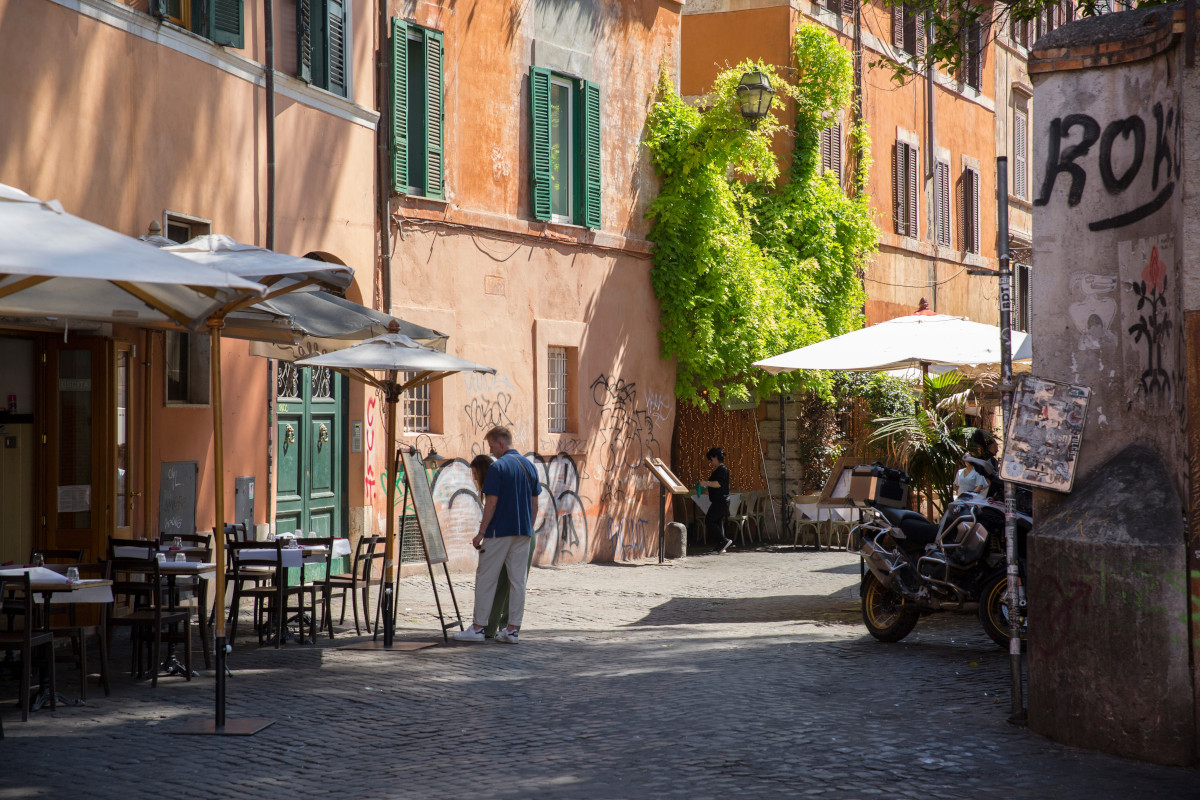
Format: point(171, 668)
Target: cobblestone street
point(747, 675)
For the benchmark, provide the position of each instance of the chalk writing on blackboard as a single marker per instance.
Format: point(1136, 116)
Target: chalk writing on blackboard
point(177, 497)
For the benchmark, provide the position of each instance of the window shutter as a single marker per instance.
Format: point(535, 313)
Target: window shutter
point(964, 200)
point(944, 233)
point(225, 23)
point(1019, 157)
point(919, 30)
point(157, 9)
point(825, 156)
point(898, 162)
point(898, 27)
point(336, 46)
point(399, 103)
point(974, 212)
point(304, 40)
point(835, 150)
point(436, 117)
point(591, 155)
point(848, 7)
point(539, 137)
point(912, 192)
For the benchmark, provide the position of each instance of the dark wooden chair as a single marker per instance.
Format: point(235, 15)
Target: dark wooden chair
point(265, 582)
point(27, 639)
point(187, 587)
point(358, 580)
point(319, 590)
point(140, 581)
point(76, 634)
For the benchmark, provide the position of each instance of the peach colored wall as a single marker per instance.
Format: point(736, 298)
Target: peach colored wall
point(121, 128)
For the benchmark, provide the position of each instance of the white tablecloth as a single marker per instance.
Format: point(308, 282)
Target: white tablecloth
point(703, 502)
point(81, 593)
point(296, 557)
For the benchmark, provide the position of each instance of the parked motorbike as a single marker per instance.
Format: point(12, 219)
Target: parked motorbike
point(917, 567)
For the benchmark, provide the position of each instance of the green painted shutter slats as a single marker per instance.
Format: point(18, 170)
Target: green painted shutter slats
point(336, 42)
point(541, 173)
point(225, 23)
point(435, 118)
point(304, 42)
point(399, 103)
point(591, 155)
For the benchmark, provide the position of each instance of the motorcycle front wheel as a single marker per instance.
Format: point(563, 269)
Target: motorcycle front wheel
point(993, 610)
point(887, 615)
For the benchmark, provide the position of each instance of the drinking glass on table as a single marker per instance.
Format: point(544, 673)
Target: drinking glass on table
point(39, 560)
point(180, 557)
point(177, 544)
point(72, 574)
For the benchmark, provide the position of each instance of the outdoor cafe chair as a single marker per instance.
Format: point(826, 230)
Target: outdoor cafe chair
point(264, 582)
point(319, 589)
point(739, 518)
point(140, 581)
point(358, 580)
point(26, 640)
point(199, 546)
point(77, 634)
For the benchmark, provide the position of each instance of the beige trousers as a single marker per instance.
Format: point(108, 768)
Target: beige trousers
point(502, 551)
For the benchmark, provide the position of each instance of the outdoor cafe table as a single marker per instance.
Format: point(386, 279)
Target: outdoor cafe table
point(290, 557)
point(203, 571)
point(49, 583)
point(704, 502)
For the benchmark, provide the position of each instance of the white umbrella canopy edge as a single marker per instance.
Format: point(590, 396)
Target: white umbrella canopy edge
point(281, 272)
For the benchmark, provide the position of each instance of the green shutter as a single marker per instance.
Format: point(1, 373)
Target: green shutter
point(435, 117)
point(225, 23)
point(399, 105)
point(591, 154)
point(336, 47)
point(304, 40)
point(539, 136)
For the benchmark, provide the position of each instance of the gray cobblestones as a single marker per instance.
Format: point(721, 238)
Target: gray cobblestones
point(748, 675)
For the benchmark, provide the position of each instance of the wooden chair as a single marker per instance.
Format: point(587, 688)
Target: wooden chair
point(77, 635)
point(358, 580)
point(269, 590)
point(149, 620)
point(321, 587)
point(193, 586)
point(27, 639)
point(255, 574)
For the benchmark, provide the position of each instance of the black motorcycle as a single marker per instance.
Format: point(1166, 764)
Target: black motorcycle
point(917, 567)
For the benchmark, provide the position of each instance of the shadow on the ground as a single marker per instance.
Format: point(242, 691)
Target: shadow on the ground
point(837, 608)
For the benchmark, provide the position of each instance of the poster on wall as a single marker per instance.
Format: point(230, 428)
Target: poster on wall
point(1041, 445)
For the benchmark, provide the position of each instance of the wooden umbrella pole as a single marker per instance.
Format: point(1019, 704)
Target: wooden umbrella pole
point(389, 548)
point(214, 331)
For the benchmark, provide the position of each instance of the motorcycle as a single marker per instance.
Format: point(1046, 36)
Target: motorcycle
point(916, 567)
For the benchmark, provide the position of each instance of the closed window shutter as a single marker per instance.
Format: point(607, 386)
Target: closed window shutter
point(399, 103)
point(225, 23)
point(898, 26)
point(919, 29)
point(304, 42)
point(435, 162)
point(591, 155)
point(964, 202)
point(1019, 157)
point(898, 194)
point(848, 7)
point(912, 192)
point(825, 147)
point(974, 212)
point(835, 150)
point(336, 40)
point(540, 172)
point(944, 206)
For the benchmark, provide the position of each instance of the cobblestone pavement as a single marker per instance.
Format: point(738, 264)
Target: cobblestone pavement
point(744, 675)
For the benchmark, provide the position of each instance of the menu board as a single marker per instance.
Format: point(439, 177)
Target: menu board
point(422, 501)
point(1041, 445)
point(667, 478)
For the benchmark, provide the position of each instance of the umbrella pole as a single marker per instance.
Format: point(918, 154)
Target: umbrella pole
point(389, 548)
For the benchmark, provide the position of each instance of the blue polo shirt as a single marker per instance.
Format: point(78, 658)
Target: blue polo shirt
point(512, 481)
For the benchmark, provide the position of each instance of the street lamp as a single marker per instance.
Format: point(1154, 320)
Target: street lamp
point(754, 96)
point(431, 460)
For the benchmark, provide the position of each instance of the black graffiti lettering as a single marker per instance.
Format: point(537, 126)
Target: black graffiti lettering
point(1122, 128)
point(1057, 162)
point(1141, 212)
point(1162, 145)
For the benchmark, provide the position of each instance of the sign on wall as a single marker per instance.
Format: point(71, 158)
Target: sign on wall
point(1041, 445)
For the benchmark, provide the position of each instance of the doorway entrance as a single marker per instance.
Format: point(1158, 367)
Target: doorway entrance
point(311, 450)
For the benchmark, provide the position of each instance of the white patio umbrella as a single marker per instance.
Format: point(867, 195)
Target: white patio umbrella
point(917, 340)
point(392, 354)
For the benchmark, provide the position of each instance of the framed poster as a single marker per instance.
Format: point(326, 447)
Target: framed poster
point(667, 478)
point(1041, 445)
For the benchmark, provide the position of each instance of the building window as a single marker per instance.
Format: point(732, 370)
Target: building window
point(188, 359)
point(416, 407)
point(908, 30)
point(322, 35)
point(970, 210)
point(181, 228)
point(1022, 310)
point(941, 203)
point(831, 150)
point(220, 21)
point(1018, 31)
point(972, 59)
point(904, 169)
point(566, 148)
point(417, 111)
point(1020, 184)
point(557, 407)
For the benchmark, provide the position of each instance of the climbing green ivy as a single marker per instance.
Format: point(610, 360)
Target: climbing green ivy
point(749, 264)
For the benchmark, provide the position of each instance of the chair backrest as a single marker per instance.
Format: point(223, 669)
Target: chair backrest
point(60, 555)
point(196, 541)
point(319, 541)
point(19, 597)
point(368, 549)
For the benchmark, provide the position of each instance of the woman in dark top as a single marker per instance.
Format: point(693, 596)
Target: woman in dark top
point(718, 498)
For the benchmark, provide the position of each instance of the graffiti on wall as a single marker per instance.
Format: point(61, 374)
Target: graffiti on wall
point(369, 447)
point(1150, 313)
point(490, 404)
point(1121, 158)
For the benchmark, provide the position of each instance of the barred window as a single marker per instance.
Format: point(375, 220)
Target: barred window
point(556, 385)
point(416, 407)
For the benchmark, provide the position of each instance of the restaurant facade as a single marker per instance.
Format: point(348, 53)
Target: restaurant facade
point(512, 223)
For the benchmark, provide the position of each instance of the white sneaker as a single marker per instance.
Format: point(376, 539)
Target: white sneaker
point(471, 634)
point(507, 636)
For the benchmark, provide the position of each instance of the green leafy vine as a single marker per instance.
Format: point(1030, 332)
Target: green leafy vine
point(749, 262)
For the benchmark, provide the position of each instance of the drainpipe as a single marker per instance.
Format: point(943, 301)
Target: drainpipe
point(385, 218)
point(269, 66)
point(931, 159)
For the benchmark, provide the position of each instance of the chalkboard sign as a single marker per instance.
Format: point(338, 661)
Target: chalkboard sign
point(177, 497)
point(422, 501)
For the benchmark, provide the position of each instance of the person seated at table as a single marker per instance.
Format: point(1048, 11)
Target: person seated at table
point(969, 481)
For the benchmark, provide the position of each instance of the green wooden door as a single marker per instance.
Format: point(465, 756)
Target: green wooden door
point(310, 451)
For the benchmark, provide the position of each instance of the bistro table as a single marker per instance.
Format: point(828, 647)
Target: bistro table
point(290, 556)
point(49, 583)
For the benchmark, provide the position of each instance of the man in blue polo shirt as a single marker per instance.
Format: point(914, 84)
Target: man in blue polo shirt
point(505, 535)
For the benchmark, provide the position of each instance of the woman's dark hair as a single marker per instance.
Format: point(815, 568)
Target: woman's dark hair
point(716, 453)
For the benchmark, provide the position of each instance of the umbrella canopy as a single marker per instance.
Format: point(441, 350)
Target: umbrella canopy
point(913, 341)
point(392, 353)
point(281, 272)
point(59, 266)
